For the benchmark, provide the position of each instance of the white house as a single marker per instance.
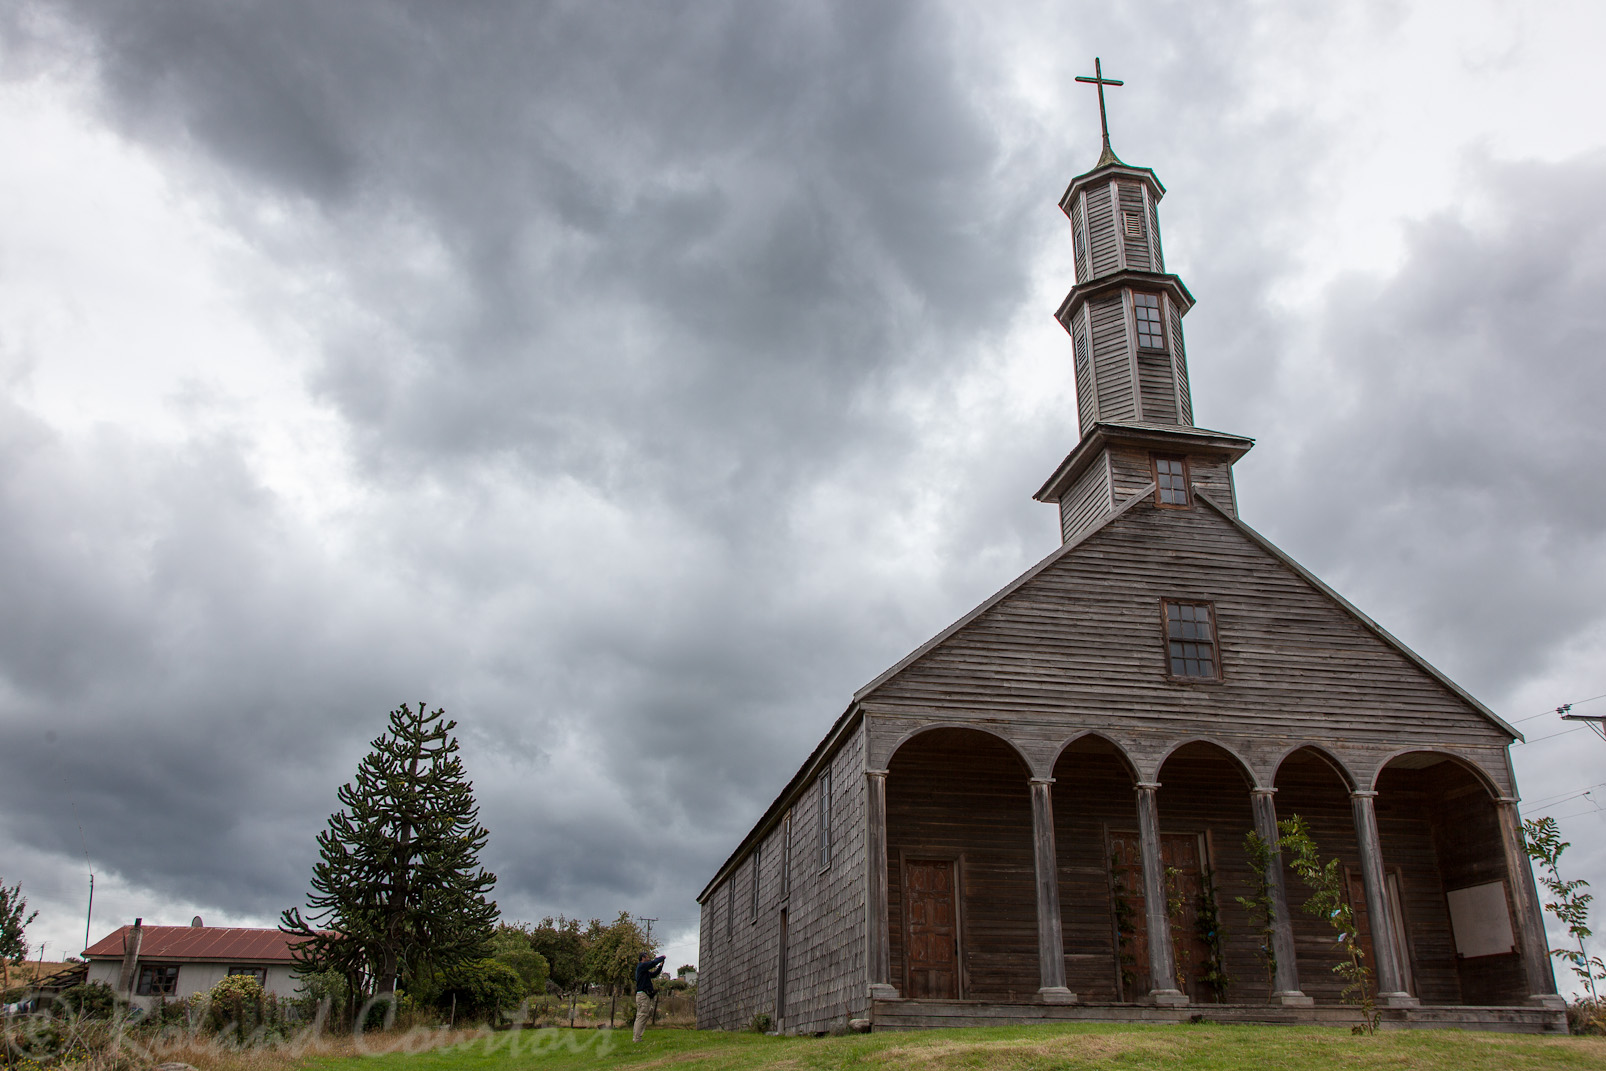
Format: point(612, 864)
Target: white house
point(148, 964)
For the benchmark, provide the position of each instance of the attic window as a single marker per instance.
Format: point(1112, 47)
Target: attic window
point(1134, 222)
point(1190, 640)
point(1171, 481)
point(157, 981)
point(1146, 313)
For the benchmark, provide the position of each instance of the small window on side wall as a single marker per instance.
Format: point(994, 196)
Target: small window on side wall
point(1146, 314)
point(1190, 637)
point(1171, 482)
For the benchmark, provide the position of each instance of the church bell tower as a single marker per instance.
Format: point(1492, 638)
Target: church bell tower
point(1124, 316)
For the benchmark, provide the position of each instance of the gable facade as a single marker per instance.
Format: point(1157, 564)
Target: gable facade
point(1044, 812)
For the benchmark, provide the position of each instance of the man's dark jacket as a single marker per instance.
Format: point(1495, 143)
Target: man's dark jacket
point(646, 971)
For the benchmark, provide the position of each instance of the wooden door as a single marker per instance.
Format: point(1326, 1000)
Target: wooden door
point(931, 930)
point(1179, 852)
point(1363, 924)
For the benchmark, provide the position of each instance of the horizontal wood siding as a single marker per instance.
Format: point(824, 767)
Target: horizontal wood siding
point(959, 794)
point(1154, 236)
point(1111, 359)
point(1102, 239)
point(826, 979)
point(1157, 387)
point(1079, 241)
point(1465, 831)
point(1137, 246)
point(1203, 792)
point(1086, 501)
point(1179, 359)
point(1087, 403)
point(1092, 792)
point(1079, 646)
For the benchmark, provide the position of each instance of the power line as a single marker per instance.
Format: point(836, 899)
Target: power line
point(1564, 708)
point(1552, 736)
point(1563, 797)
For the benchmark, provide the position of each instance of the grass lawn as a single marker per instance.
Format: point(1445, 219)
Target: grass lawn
point(1174, 1048)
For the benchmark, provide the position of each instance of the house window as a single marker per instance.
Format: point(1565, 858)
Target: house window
point(786, 855)
point(758, 855)
point(1146, 312)
point(259, 973)
point(825, 819)
point(157, 981)
point(1190, 640)
point(1171, 481)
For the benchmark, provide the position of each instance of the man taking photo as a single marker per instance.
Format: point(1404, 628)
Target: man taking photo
point(646, 971)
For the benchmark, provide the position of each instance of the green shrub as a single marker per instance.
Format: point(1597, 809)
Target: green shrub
point(479, 989)
point(529, 965)
point(761, 1023)
point(93, 1000)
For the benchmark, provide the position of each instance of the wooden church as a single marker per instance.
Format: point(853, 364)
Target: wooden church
point(1040, 814)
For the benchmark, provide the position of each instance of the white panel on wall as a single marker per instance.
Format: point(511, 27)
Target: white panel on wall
point(1481, 920)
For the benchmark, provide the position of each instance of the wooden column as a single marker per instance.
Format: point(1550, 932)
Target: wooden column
point(1162, 960)
point(878, 948)
point(1050, 938)
point(1531, 940)
point(1390, 981)
point(1285, 981)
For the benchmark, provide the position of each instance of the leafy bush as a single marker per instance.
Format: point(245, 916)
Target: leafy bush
point(93, 1000)
point(480, 989)
point(529, 965)
point(761, 1023)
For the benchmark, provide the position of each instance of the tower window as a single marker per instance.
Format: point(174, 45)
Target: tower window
point(1190, 640)
point(1146, 311)
point(1134, 222)
point(1171, 481)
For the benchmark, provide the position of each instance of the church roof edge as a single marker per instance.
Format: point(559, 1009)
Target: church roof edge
point(996, 597)
point(1109, 164)
point(1104, 433)
point(1372, 626)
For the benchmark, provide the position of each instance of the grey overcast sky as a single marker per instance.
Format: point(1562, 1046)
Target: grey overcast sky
point(638, 380)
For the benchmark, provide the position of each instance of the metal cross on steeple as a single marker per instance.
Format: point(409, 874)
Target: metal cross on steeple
point(1099, 80)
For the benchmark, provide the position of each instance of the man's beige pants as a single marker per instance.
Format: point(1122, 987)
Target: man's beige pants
point(643, 1013)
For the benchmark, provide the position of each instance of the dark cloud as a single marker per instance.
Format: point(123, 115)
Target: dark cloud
point(653, 334)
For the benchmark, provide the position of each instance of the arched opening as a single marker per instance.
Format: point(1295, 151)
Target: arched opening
point(1450, 891)
point(1311, 786)
point(1205, 813)
point(1093, 800)
point(961, 880)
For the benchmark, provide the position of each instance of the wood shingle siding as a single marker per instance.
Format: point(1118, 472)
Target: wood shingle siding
point(825, 918)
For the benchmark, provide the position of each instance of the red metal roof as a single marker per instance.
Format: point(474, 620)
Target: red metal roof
point(237, 944)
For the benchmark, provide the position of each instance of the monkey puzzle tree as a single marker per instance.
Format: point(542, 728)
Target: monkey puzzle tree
point(398, 885)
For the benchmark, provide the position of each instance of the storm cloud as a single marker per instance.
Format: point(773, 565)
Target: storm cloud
point(637, 381)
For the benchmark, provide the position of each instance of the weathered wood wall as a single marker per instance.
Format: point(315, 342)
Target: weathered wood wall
point(1088, 500)
point(826, 976)
point(1079, 647)
point(962, 794)
point(1093, 791)
point(1463, 826)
